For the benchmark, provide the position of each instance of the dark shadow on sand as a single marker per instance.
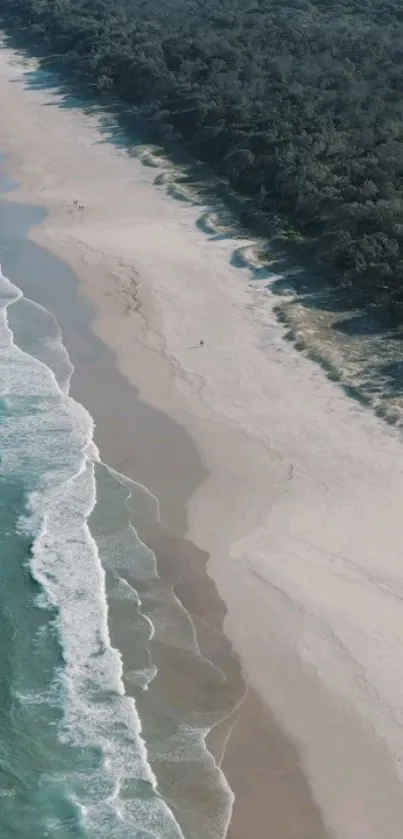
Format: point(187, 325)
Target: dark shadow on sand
point(284, 266)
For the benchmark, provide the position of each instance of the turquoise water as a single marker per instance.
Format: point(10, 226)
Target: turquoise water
point(75, 757)
point(91, 637)
point(72, 760)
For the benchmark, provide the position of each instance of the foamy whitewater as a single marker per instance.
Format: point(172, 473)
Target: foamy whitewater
point(72, 758)
point(313, 586)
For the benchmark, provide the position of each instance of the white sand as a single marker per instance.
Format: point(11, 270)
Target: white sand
point(302, 511)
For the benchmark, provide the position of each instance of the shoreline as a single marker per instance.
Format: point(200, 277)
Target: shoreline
point(250, 742)
point(281, 484)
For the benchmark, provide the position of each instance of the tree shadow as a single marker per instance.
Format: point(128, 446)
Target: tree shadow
point(371, 322)
point(392, 373)
point(284, 265)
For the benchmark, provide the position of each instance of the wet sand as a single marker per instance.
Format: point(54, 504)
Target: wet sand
point(260, 763)
point(272, 796)
point(290, 492)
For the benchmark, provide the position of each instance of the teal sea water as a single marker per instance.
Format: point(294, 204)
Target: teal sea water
point(72, 760)
point(89, 739)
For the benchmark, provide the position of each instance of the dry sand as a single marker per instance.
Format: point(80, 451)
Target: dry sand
point(299, 504)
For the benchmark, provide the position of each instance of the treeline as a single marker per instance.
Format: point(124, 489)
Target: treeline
point(299, 103)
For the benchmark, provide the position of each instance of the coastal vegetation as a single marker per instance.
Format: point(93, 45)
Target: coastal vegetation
point(299, 104)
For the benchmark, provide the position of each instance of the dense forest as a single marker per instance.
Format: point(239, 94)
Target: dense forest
point(298, 102)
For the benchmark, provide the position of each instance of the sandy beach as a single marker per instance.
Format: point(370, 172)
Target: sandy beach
point(266, 474)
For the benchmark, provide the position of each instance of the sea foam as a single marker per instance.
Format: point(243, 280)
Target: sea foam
point(47, 438)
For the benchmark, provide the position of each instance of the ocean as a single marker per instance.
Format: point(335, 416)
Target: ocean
point(106, 699)
point(74, 760)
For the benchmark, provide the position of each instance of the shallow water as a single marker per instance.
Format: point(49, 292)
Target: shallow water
point(107, 780)
point(75, 760)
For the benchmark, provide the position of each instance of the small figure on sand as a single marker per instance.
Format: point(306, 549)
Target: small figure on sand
point(196, 346)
